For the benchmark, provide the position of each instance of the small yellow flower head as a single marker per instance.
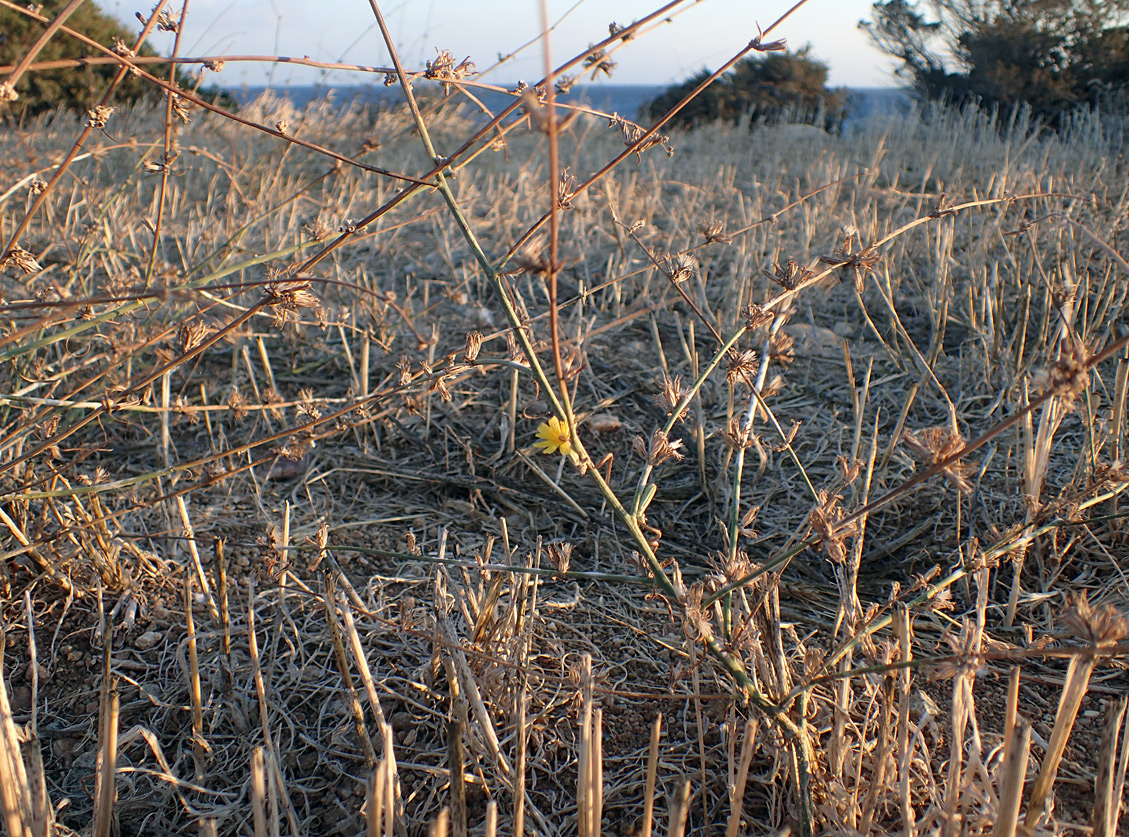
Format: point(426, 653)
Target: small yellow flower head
point(553, 436)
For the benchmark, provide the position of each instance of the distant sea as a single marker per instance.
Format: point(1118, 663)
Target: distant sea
point(625, 99)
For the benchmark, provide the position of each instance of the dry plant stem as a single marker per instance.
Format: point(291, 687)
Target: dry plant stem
point(199, 747)
point(1074, 689)
point(15, 792)
point(554, 222)
point(1107, 807)
point(137, 387)
point(1016, 751)
point(651, 778)
point(753, 46)
point(166, 161)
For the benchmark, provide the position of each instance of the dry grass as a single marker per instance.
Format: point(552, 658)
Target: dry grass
point(279, 554)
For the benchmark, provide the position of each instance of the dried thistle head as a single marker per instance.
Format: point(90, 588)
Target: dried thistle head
point(936, 444)
point(661, 449)
point(191, 334)
point(671, 394)
point(598, 62)
point(633, 136)
point(291, 294)
point(1097, 627)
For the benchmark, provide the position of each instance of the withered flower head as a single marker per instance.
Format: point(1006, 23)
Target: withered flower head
point(565, 187)
point(741, 363)
point(560, 554)
point(444, 69)
point(681, 267)
point(180, 109)
point(789, 276)
point(633, 136)
point(755, 316)
point(1098, 627)
point(782, 349)
point(696, 613)
point(965, 653)
point(292, 294)
point(8, 92)
point(282, 126)
point(598, 62)
point(564, 84)
point(317, 231)
point(191, 334)
point(21, 258)
point(473, 346)
point(166, 22)
point(98, 116)
point(671, 395)
point(662, 449)
point(825, 524)
point(936, 444)
point(215, 66)
point(713, 232)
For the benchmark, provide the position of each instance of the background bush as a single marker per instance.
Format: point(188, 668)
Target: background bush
point(760, 87)
point(1053, 55)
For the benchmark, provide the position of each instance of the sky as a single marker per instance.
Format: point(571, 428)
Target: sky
point(705, 34)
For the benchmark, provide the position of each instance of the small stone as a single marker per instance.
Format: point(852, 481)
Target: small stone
point(147, 640)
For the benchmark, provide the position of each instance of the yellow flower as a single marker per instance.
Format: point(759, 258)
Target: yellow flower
point(553, 436)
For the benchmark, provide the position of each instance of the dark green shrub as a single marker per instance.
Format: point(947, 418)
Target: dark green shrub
point(762, 87)
point(1050, 55)
point(76, 88)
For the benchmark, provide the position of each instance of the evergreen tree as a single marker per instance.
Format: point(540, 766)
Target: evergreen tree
point(1052, 55)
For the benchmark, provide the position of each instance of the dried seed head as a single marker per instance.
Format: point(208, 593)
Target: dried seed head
point(713, 232)
point(317, 231)
point(789, 276)
point(565, 187)
point(215, 66)
point(681, 267)
point(8, 92)
point(473, 346)
point(97, 117)
point(181, 109)
point(1097, 627)
point(564, 84)
point(782, 349)
point(167, 23)
point(598, 62)
point(936, 444)
point(560, 554)
point(671, 394)
point(292, 294)
point(825, 524)
point(662, 449)
point(282, 126)
point(755, 316)
point(1069, 377)
point(741, 364)
point(444, 69)
point(191, 335)
point(633, 134)
point(21, 258)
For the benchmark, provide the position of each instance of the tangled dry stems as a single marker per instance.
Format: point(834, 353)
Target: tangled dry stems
point(205, 434)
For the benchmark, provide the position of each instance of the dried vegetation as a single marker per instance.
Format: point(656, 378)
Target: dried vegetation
point(827, 538)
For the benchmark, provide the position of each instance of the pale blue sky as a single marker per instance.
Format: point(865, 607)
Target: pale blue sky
point(704, 35)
